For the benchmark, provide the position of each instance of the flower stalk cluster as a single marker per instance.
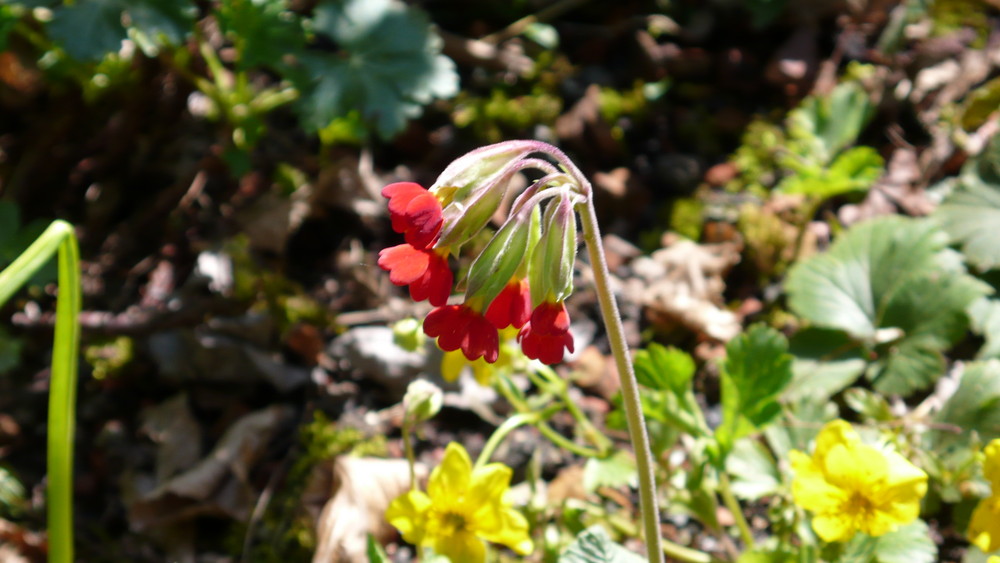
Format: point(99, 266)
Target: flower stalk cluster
point(520, 281)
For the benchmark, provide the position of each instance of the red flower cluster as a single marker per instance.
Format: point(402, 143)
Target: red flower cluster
point(416, 213)
point(547, 333)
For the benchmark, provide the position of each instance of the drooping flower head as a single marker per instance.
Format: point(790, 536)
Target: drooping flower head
point(415, 212)
point(425, 270)
point(984, 526)
point(512, 306)
point(850, 486)
point(546, 337)
point(462, 508)
point(463, 327)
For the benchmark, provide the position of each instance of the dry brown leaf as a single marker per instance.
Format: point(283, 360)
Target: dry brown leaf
point(362, 488)
point(218, 484)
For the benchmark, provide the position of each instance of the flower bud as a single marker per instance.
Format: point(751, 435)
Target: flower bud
point(498, 262)
point(408, 335)
point(422, 401)
point(479, 167)
point(550, 273)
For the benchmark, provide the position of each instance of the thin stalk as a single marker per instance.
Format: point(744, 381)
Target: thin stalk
point(411, 459)
point(500, 433)
point(726, 491)
point(629, 385)
point(587, 428)
point(60, 239)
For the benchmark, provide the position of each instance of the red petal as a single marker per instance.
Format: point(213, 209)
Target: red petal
point(423, 220)
point(404, 263)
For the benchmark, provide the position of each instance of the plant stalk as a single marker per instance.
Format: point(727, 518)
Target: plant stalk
point(630, 387)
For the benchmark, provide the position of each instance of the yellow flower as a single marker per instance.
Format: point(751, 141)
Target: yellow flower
point(454, 362)
point(850, 486)
point(984, 527)
point(461, 508)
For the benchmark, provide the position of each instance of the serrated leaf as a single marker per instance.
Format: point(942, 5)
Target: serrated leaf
point(825, 125)
point(890, 284)
point(263, 31)
point(664, 368)
point(854, 170)
point(616, 470)
point(984, 320)
point(89, 28)
point(911, 543)
point(974, 407)
point(756, 370)
point(390, 65)
point(970, 215)
point(155, 23)
point(594, 546)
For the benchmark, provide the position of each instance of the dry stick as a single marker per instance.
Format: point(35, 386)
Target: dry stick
point(518, 27)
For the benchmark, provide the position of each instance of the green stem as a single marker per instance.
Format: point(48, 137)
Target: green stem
point(587, 428)
point(410, 457)
point(726, 491)
point(57, 238)
point(504, 386)
point(630, 387)
point(500, 433)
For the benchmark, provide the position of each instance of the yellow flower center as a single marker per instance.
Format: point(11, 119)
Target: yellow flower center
point(859, 505)
point(452, 522)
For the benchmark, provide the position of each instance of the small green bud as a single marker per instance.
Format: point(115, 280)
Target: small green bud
point(408, 334)
point(479, 167)
point(422, 401)
point(498, 262)
point(550, 274)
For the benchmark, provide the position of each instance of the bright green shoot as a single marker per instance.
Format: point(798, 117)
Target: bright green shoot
point(58, 238)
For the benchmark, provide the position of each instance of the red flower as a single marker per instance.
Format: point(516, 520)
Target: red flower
point(512, 307)
point(547, 333)
point(415, 212)
point(424, 270)
point(460, 326)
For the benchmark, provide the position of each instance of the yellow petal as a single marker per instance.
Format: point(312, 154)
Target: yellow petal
point(452, 364)
point(450, 480)
point(991, 466)
point(835, 432)
point(984, 526)
point(833, 527)
point(461, 547)
point(854, 467)
point(512, 531)
point(903, 488)
point(408, 514)
point(483, 371)
point(810, 489)
point(489, 483)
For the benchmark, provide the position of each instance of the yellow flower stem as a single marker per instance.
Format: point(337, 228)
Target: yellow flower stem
point(558, 386)
point(726, 491)
point(626, 374)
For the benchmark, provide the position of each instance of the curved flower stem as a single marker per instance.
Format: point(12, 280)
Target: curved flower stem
point(500, 433)
point(546, 430)
point(630, 388)
point(726, 491)
point(553, 382)
point(410, 457)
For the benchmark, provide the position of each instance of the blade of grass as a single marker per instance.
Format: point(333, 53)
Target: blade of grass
point(57, 238)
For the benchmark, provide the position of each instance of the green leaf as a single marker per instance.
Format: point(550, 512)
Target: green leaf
point(984, 317)
point(756, 370)
point(376, 553)
point(753, 471)
point(891, 286)
point(974, 407)
point(262, 31)
point(823, 126)
point(870, 405)
point(854, 170)
point(88, 29)
point(155, 23)
point(664, 369)
point(390, 65)
point(594, 546)
point(911, 543)
point(826, 362)
point(971, 213)
point(616, 470)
